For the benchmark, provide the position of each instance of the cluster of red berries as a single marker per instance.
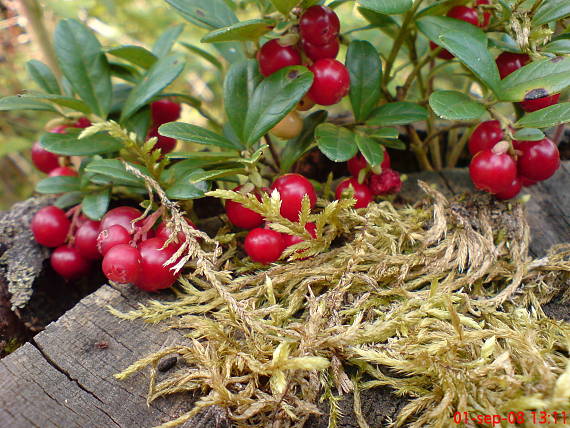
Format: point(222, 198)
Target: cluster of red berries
point(477, 16)
point(385, 183)
point(319, 28)
point(132, 252)
point(497, 171)
point(264, 245)
point(163, 111)
point(48, 162)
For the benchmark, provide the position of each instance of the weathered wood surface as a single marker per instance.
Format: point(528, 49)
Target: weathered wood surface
point(64, 377)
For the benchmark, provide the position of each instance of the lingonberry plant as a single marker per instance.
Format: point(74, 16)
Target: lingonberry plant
point(118, 126)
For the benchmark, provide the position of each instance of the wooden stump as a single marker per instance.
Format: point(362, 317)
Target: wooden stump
point(64, 376)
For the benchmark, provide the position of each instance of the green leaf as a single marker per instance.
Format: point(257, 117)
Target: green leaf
point(560, 47)
point(250, 30)
point(210, 14)
point(529, 134)
point(214, 174)
point(372, 151)
point(62, 100)
point(232, 52)
point(69, 199)
point(95, 204)
point(467, 42)
point(43, 76)
point(388, 133)
point(536, 80)
point(84, 64)
point(114, 170)
point(60, 184)
point(165, 42)
point(385, 23)
point(453, 105)
point(134, 54)
point(186, 188)
point(336, 142)
point(275, 96)
point(158, 77)
point(22, 102)
point(387, 7)
point(393, 144)
point(398, 113)
point(69, 145)
point(196, 134)
point(241, 80)
point(440, 8)
point(127, 72)
point(365, 68)
point(298, 146)
point(547, 117)
point(204, 54)
point(225, 156)
point(284, 6)
point(139, 123)
point(550, 10)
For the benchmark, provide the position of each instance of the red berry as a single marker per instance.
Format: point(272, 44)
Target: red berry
point(68, 263)
point(485, 136)
point(86, 240)
point(63, 171)
point(508, 62)
point(464, 13)
point(164, 111)
point(82, 123)
point(316, 52)
point(527, 182)
point(358, 162)
point(264, 245)
point(385, 183)
point(164, 233)
point(493, 172)
point(153, 275)
point(112, 236)
point(273, 57)
point(243, 217)
point(292, 188)
point(122, 264)
point(512, 191)
point(123, 216)
point(50, 226)
point(289, 240)
point(539, 159)
point(484, 15)
point(165, 144)
point(43, 160)
point(319, 25)
point(362, 193)
point(331, 82)
point(540, 103)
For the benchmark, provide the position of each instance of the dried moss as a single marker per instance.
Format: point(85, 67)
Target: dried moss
point(439, 301)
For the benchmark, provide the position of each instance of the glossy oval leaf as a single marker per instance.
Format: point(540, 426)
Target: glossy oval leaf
point(83, 63)
point(536, 80)
point(96, 204)
point(22, 102)
point(467, 42)
point(371, 149)
point(453, 105)
point(115, 172)
point(397, 113)
point(69, 199)
point(52, 185)
point(134, 54)
point(275, 96)
point(365, 68)
point(62, 100)
point(196, 134)
point(165, 42)
point(158, 77)
point(560, 47)
point(43, 76)
point(298, 146)
point(551, 10)
point(387, 7)
point(529, 134)
point(185, 187)
point(69, 144)
point(336, 142)
point(210, 14)
point(547, 117)
point(243, 31)
point(239, 85)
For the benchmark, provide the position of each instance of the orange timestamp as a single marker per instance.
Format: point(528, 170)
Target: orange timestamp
point(513, 418)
